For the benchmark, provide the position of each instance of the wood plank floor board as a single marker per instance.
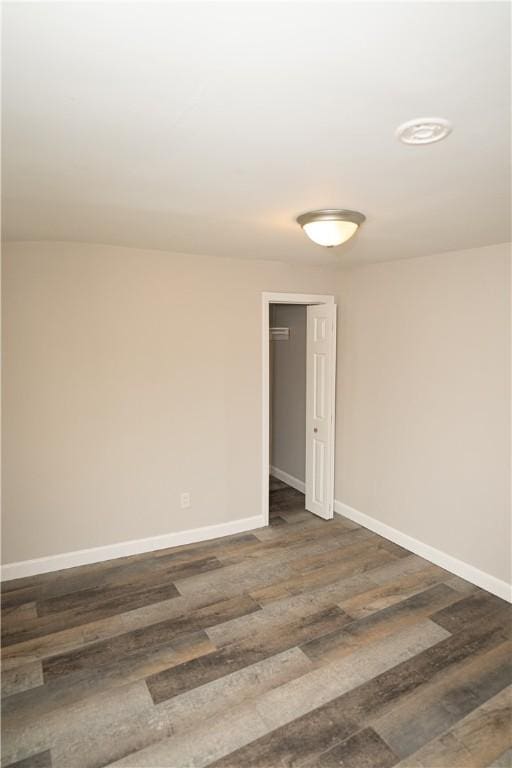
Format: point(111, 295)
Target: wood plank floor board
point(235, 656)
point(310, 703)
point(46, 625)
point(429, 711)
point(503, 761)
point(362, 750)
point(22, 678)
point(355, 546)
point(363, 562)
point(394, 591)
point(86, 683)
point(62, 640)
point(68, 582)
point(208, 741)
point(303, 529)
point(41, 760)
point(17, 598)
point(472, 610)
point(89, 733)
point(148, 726)
point(381, 691)
point(152, 636)
point(477, 739)
point(293, 745)
point(461, 585)
point(14, 617)
point(301, 547)
point(158, 577)
point(275, 617)
point(307, 643)
point(389, 689)
point(248, 683)
point(233, 580)
point(358, 705)
point(69, 579)
point(79, 636)
point(84, 576)
point(382, 622)
point(274, 484)
point(388, 572)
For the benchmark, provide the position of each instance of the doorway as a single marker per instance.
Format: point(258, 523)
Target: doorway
point(287, 406)
point(299, 357)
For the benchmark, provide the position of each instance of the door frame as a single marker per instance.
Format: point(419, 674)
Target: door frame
point(268, 298)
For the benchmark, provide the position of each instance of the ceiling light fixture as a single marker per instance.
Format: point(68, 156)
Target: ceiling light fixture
point(424, 130)
point(330, 226)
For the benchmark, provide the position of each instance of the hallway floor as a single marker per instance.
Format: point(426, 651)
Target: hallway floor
point(307, 643)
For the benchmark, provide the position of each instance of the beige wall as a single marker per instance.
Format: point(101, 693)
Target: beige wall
point(423, 407)
point(128, 377)
point(288, 449)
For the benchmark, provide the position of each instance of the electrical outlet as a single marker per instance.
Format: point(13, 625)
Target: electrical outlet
point(185, 500)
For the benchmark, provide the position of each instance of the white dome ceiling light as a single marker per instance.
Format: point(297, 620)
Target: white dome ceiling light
point(424, 130)
point(331, 226)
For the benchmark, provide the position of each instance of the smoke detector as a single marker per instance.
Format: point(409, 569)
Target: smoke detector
point(424, 130)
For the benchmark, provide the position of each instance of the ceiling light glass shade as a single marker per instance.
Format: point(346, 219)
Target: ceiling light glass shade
point(330, 233)
point(330, 227)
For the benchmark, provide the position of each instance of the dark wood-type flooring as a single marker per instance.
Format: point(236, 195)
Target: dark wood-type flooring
point(307, 643)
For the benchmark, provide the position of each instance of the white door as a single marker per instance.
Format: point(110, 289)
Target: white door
point(320, 392)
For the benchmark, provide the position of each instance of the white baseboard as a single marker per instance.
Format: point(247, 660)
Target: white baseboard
point(294, 482)
point(436, 556)
point(124, 548)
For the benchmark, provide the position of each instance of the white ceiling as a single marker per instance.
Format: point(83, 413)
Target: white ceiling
point(207, 127)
